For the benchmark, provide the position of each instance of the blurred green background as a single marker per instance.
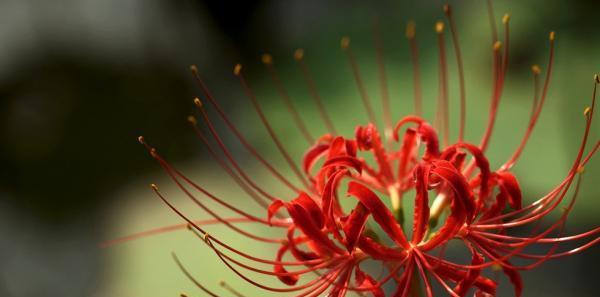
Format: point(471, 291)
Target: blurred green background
point(80, 80)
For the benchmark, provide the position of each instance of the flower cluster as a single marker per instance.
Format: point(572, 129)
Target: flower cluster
point(323, 247)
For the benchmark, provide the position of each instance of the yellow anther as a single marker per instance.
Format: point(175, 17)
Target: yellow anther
point(194, 68)
point(154, 187)
point(536, 69)
point(299, 54)
point(192, 120)
point(587, 111)
point(580, 169)
point(411, 29)
point(439, 27)
point(267, 59)
point(141, 139)
point(552, 36)
point(597, 78)
point(506, 18)
point(197, 102)
point(183, 295)
point(237, 69)
point(345, 42)
point(497, 45)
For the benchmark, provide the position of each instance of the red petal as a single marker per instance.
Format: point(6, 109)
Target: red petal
point(379, 211)
point(273, 208)
point(290, 279)
point(421, 212)
point(355, 224)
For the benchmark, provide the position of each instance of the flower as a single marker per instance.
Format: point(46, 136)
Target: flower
point(323, 247)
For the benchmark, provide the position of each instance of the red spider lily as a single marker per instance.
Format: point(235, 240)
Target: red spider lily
point(457, 195)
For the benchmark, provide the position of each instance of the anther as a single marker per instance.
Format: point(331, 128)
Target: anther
point(194, 68)
point(299, 54)
point(497, 45)
point(197, 102)
point(597, 78)
point(536, 69)
point(410, 29)
point(192, 120)
point(345, 42)
point(267, 59)
point(153, 153)
point(189, 226)
point(141, 140)
point(552, 35)
point(581, 170)
point(205, 236)
point(506, 18)
point(183, 295)
point(447, 10)
point(154, 187)
point(439, 27)
point(237, 69)
point(587, 111)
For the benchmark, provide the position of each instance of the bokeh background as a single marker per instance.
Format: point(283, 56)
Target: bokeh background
point(81, 79)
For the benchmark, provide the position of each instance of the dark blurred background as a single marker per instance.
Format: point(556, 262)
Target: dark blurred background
point(81, 79)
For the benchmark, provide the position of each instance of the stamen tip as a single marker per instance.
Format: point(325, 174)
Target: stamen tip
point(194, 68)
point(189, 226)
point(597, 78)
point(497, 45)
point(197, 102)
point(267, 59)
point(192, 120)
point(536, 69)
point(581, 170)
point(183, 295)
point(222, 283)
point(439, 27)
point(587, 111)
point(447, 10)
point(237, 69)
point(141, 139)
point(410, 29)
point(506, 18)
point(552, 35)
point(154, 187)
point(345, 42)
point(299, 54)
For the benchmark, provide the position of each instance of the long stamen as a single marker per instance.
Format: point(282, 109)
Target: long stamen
point(237, 133)
point(192, 120)
point(229, 288)
point(310, 82)
point(461, 76)
point(345, 45)
point(237, 71)
point(538, 107)
point(411, 35)
point(228, 154)
point(268, 61)
point(385, 96)
point(443, 113)
point(492, 20)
